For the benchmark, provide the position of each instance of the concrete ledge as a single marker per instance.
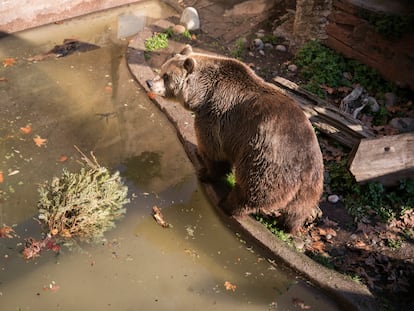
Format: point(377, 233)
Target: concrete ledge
point(348, 294)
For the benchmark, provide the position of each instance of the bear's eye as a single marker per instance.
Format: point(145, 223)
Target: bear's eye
point(165, 77)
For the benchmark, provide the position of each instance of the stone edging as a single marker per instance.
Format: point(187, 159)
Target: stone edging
point(347, 293)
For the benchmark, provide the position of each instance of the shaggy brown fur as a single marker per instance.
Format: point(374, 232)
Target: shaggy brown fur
point(244, 123)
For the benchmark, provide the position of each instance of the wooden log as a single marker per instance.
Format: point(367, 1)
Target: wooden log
point(386, 159)
point(325, 117)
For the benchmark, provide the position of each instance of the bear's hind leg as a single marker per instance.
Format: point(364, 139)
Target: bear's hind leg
point(300, 211)
point(213, 170)
point(235, 203)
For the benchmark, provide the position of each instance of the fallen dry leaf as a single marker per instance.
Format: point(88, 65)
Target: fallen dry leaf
point(8, 62)
point(1, 177)
point(26, 129)
point(6, 232)
point(3, 79)
point(230, 286)
point(159, 218)
point(62, 158)
point(53, 287)
point(39, 141)
point(300, 303)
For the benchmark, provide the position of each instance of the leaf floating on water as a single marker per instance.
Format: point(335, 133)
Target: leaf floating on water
point(230, 286)
point(62, 158)
point(39, 141)
point(9, 62)
point(15, 172)
point(7, 232)
point(1, 177)
point(300, 303)
point(26, 129)
point(159, 218)
point(3, 79)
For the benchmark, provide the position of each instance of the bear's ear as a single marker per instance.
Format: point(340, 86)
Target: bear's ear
point(189, 64)
point(187, 50)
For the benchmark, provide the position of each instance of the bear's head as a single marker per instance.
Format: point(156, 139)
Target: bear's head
point(171, 82)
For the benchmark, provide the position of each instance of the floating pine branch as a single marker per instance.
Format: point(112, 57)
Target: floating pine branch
point(82, 205)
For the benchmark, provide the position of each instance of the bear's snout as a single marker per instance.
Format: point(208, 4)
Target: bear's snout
point(149, 83)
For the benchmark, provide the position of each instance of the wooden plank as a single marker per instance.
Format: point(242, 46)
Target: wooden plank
point(324, 116)
point(386, 159)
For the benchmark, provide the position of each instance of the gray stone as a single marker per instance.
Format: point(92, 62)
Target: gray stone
point(190, 19)
point(258, 44)
point(292, 68)
point(403, 124)
point(178, 29)
point(373, 105)
point(281, 48)
point(333, 198)
point(390, 99)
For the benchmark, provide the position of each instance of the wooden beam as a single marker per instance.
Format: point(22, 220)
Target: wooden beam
point(324, 116)
point(386, 159)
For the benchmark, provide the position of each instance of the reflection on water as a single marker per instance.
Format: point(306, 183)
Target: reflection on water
point(89, 100)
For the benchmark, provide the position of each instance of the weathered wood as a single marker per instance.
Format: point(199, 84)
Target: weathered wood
point(325, 117)
point(386, 159)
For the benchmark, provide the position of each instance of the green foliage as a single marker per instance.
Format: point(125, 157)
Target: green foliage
point(271, 39)
point(394, 244)
point(271, 224)
point(230, 180)
point(319, 65)
point(82, 205)
point(240, 48)
point(156, 42)
point(187, 34)
point(323, 260)
point(388, 25)
point(371, 199)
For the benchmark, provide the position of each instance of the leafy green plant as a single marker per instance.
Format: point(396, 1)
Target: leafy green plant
point(239, 49)
point(271, 224)
point(320, 65)
point(370, 199)
point(230, 180)
point(389, 25)
point(156, 42)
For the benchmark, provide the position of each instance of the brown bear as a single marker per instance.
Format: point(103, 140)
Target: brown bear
point(244, 123)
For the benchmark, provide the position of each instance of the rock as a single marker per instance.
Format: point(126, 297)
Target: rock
point(373, 105)
point(260, 33)
point(281, 48)
point(261, 52)
point(347, 75)
point(390, 99)
point(292, 68)
point(299, 243)
point(268, 46)
point(178, 29)
point(258, 44)
point(190, 19)
point(403, 124)
point(333, 198)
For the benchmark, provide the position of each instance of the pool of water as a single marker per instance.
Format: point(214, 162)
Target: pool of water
point(90, 100)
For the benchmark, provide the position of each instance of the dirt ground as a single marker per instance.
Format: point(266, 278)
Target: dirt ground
point(360, 250)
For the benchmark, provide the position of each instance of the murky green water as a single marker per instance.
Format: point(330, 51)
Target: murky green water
point(90, 100)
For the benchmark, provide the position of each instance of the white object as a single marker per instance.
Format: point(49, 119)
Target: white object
point(190, 19)
point(333, 198)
